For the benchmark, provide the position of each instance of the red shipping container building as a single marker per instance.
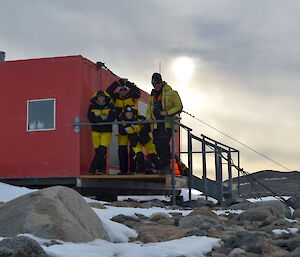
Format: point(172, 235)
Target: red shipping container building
point(40, 98)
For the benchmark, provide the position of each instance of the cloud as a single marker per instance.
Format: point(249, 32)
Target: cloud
point(246, 77)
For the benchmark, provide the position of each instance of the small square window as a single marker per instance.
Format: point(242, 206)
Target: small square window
point(41, 114)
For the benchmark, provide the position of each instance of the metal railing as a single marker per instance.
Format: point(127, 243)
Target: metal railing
point(77, 124)
point(217, 149)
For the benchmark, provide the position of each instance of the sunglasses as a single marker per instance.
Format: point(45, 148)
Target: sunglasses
point(155, 83)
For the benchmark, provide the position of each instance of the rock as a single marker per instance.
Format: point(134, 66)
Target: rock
point(214, 254)
point(155, 203)
point(199, 221)
point(167, 222)
point(280, 206)
point(130, 204)
point(237, 252)
point(289, 244)
point(21, 246)
point(128, 221)
point(196, 232)
point(223, 234)
point(158, 216)
point(97, 205)
point(295, 200)
point(204, 211)
point(295, 253)
point(53, 213)
point(198, 203)
point(163, 232)
point(248, 241)
point(147, 237)
point(271, 250)
point(264, 215)
point(277, 224)
point(296, 213)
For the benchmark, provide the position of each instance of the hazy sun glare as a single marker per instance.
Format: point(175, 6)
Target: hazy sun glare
point(183, 68)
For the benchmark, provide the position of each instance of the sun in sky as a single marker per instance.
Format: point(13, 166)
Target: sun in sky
point(183, 68)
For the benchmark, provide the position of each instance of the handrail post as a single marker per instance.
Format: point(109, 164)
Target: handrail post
point(204, 167)
point(173, 162)
point(239, 189)
point(218, 166)
point(229, 173)
point(190, 164)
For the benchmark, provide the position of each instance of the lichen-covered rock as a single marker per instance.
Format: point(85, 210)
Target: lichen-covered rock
point(264, 215)
point(21, 246)
point(248, 241)
point(199, 221)
point(163, 232)
point(280, 206)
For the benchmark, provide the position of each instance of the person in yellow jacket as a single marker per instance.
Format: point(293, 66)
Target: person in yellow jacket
point(138, 135)
point(100, 110)
point(164, 104)
point(123, 93)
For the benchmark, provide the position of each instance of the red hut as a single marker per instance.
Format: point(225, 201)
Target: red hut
point(40, 99)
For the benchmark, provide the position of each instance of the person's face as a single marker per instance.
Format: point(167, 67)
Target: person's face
point(157, 86)
point(123, 92)
point(129, 115)
point(101, 99)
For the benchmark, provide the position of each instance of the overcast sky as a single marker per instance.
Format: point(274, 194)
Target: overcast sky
point(234, 62)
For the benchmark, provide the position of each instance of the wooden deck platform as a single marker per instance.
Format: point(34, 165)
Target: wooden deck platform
point(141, 184)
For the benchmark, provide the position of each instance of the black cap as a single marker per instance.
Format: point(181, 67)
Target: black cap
point(156, 78)
point(100, 93)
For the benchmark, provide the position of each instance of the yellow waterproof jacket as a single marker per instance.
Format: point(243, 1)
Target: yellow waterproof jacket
point(101, 113)
point(130, 99)
point(171, 103)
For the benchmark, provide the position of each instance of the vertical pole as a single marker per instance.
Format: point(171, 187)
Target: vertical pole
point(216, 170)
point(173, 159)
point(220, 176)
point(218, 167)
point(229, 173)
point(204, 167)
point(239, 189)
point(190, 163)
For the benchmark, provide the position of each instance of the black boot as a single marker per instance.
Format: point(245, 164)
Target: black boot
point(140, 163)
point(99, 161)
point(132, 161)
point(123, 159)
point(154, 160)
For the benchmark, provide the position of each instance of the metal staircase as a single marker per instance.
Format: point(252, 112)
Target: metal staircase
point(213, 188)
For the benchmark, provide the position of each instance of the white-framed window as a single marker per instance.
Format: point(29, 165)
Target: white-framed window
point(142, 108)
point(41, 114)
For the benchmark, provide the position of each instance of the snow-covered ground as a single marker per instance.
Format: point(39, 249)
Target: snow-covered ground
point(120, 234)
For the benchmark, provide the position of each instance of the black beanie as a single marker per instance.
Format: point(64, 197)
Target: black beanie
point(156, 78)
point(100, 93)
